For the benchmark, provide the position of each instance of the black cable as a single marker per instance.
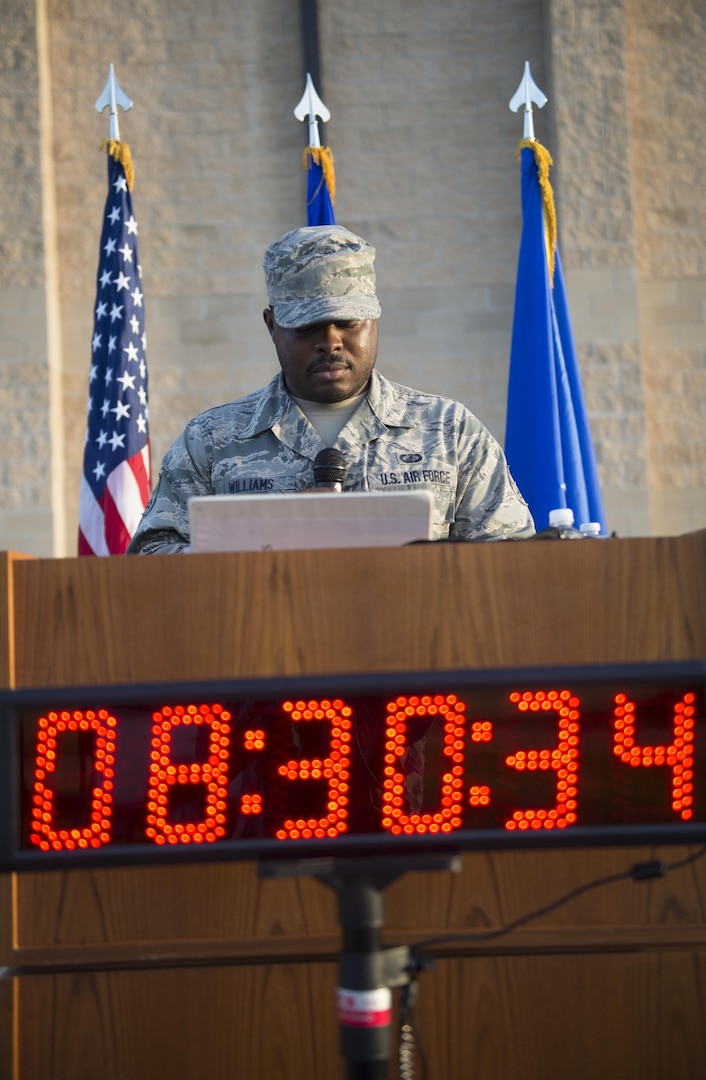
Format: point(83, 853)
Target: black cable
point(643, 871)
point(410, 1040)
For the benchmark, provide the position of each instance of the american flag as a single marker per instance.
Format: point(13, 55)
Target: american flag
point(115, 485)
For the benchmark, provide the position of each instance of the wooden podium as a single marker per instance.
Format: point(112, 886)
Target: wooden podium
point(208, 970)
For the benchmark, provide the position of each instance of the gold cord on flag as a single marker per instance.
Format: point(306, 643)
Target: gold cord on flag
point(322, 156)
point(120, 151)
point(544, 160)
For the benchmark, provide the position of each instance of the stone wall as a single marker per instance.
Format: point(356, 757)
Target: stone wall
point(597, 241)
point(630, 152)
point(26, 518)
point(665, 48)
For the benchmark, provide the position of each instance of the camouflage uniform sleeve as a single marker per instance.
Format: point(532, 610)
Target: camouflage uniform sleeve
point(489, 504)
point(185, 471)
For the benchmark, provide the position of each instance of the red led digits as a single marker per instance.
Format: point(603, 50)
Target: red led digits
point(400, 711)
point(563, 760)
point(212, 773)
point(43, 832)
point(254, 740)
point(678, 756)
point(334, 769)
point(251, 804)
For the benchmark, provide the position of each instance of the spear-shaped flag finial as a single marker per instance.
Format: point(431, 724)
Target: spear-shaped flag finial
point(312, 106)
point(112, 96)
point(527, 93)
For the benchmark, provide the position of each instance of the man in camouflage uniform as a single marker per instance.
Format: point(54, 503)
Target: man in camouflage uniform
point(322, 320)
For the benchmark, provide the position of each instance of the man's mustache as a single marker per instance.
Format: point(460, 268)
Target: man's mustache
point(330, 363)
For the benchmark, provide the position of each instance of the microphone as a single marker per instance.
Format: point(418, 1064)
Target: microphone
point(329, 469)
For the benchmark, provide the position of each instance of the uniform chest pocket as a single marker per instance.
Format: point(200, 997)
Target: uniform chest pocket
point(437, 477)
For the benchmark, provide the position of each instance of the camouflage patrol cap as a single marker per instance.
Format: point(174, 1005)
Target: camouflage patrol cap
point(319, 273)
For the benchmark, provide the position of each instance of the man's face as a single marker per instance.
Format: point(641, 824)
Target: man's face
point(328, 361)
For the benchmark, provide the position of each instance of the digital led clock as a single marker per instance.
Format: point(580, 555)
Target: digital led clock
point(352, 764)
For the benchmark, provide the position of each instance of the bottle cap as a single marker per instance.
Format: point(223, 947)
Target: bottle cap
point(590, 528)
point(561, 518)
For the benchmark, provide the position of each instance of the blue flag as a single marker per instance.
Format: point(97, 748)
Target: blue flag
point(320, 186)
point(547, 437)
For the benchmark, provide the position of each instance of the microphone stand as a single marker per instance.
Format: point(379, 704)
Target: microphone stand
point(367, 973)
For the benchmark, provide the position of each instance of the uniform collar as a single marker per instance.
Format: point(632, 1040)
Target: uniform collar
point(274, 409)
point(269, 406)
point(386, 402)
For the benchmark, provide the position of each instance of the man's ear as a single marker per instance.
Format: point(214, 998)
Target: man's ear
point(269, 319)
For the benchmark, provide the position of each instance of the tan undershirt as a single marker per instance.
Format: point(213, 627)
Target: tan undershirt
point(329, 418)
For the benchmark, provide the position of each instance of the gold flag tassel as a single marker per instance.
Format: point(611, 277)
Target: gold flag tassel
point(120, 151)
point(322, 156)
point(544, 160)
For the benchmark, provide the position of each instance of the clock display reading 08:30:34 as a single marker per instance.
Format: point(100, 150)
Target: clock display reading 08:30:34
point(523, 759)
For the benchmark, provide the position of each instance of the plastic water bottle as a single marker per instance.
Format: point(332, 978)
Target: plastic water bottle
point(590, 529)
point(561, 526)
point(562, 521)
